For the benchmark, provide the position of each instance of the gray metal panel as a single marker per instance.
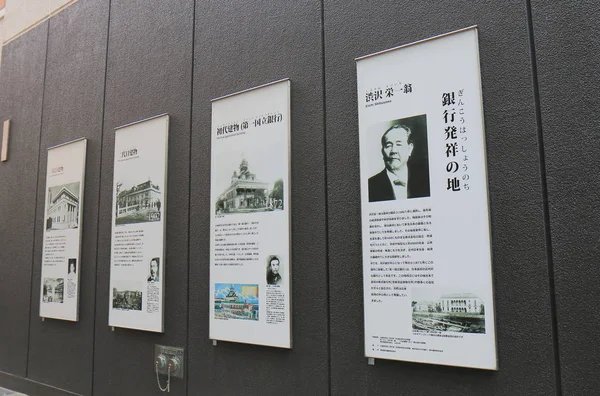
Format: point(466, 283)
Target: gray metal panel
point(149, 72)
point(524, 321)
point(21, 88)
point(239, 45)
point(568, 51)
point(61, 353)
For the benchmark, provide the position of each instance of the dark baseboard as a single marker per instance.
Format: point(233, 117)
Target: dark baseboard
point(29, 387)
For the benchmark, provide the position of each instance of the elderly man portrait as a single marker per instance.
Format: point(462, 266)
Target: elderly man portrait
point(398, 180)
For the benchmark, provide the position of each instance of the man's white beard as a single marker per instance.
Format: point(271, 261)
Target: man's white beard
point(394, 165)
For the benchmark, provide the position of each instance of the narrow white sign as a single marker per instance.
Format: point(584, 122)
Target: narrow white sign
point(250, 261)
point(425, 214)
point(63, 213)
point(137, 264)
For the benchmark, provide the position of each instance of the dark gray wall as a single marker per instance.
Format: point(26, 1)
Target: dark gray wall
point(149, 72)
point(567, 54)
point(21, 92)
point(73, 104)
point(113, 62)
point(240, 45)
point(525, 340)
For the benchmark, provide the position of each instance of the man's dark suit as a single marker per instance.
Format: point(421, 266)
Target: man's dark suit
point(380, 187)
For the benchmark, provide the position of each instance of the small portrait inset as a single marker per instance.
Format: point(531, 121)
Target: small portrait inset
point(72, 263)
point(273, 270)
point(154, 270)
point(403, 149)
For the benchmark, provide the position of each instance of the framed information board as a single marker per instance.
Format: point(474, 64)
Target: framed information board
point(425, 213)
point(137, 264)
point(63, 215)
point(250, 261)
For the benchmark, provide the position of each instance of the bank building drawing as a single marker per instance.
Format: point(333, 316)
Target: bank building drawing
point(63, 209)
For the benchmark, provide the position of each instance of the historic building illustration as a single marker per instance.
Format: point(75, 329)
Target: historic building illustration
point(247, 193)
point(53, 290)
point(139, 203)
point(455, 312)
point(63, 209)
point(233, 307)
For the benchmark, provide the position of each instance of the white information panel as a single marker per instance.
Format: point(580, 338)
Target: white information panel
point(137, 261)
point(425, 214)
point(250, 263)
point(63, 214)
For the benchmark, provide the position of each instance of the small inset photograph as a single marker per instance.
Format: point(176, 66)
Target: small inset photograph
point(138, 202)
point(154, 270)
point(433, 310)
point(53, 290)
point(72, 267)
point(127, 297)
point(236, 301)
point(398, 159)
point(274, 270)
point(62, 207)
point(245, 191)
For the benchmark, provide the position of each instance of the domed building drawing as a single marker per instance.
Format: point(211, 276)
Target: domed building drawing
point(248, 194)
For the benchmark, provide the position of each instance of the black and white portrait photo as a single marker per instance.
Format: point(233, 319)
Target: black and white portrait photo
point(72, 267)
point(274, 270)
point(154, 270)
point(401, 160)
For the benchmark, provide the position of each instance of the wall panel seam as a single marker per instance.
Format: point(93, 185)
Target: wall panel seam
point(189, 249)
point(546, 209)
point(325, 182)
point(35, 211)
point(101, 144)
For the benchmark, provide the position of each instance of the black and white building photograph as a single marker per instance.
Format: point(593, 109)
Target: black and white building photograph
point(62, 207)
point(398, 159)
point(449, 312)
point(247, 192)
point(127, 299)
point(138, 202)
point(53, 290)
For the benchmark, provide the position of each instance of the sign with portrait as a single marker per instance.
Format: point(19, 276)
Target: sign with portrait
point(425, 212)
point(250, 261)
point(63, 215)
point(137, 261)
